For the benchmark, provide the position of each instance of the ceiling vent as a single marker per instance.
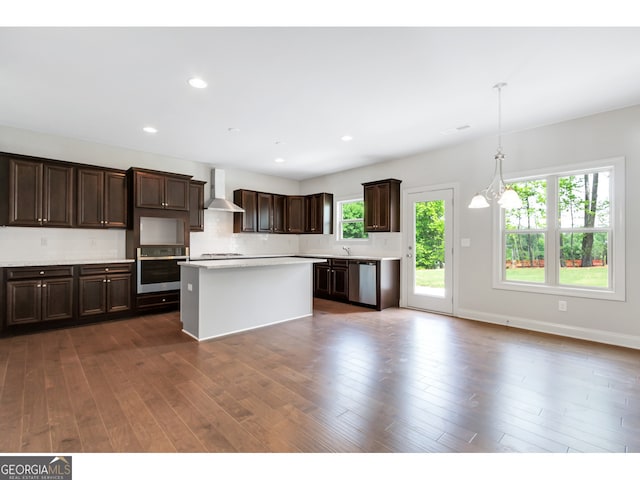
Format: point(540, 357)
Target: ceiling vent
point(217, 201)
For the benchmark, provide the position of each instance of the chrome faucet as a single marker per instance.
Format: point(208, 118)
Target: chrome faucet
point(347, 249)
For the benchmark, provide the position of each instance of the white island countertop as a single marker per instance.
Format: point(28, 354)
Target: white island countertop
point(248, 262)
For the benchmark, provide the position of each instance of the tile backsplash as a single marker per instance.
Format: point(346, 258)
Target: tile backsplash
point(47, 244)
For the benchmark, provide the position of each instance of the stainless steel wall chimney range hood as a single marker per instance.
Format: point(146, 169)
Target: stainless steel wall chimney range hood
point(217, 200)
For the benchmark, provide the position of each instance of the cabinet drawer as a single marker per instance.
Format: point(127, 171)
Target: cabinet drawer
point(99, 269)
point(158, 300)
point(339, 263)
point(38, 272)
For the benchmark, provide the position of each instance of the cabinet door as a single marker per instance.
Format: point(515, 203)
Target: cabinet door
point(92, 295)
point(247, 221)
point(57, 196)
point(382, 210)
point(90, 197)
point(371, 201)
point(25, 193)
point(115, 200)
point(295, 214)
point(176, 193)
point(118, 293)
point(24, 304)
point(313, 214)
point(57, 299)
point(265, 212)
point(196, 206)
point(322, 279)
point(149, 190)
point(279, 205)
point(340, 282)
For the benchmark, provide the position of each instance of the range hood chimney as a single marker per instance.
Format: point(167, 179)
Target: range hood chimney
point(217, 201)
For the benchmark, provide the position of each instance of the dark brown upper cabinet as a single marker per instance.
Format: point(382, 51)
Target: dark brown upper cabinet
point(247, 221)
point(40, 193)
point(295, 214)
point(102, 198)
point(279, 208)
point(319, 213)
point(382, 205)
point(265, 212)
point(196, 206)
point(161, 190)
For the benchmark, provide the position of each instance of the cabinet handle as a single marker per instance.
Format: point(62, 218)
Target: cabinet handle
point(104, 280)
point(39, 219)
point(106, 269)
point(44, 285)
point(39, 285)
point(44, 220)
point(42, 273)
point(164, 299)
point(108, 281)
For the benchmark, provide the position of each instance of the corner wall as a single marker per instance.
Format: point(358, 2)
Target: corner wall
point(606, 135)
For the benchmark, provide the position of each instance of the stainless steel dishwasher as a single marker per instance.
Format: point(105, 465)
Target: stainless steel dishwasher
point(362, 282)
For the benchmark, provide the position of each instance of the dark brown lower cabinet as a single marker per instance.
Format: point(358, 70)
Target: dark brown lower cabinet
point(331, 279)
point(104, 294)
point(155, 301)
point(39, 300)
point(104, 289)
point(52, 296)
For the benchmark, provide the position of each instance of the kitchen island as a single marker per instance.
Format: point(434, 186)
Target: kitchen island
point(219, 297)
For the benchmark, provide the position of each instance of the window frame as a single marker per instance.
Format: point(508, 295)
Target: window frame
point(340, 221)
point(616, 231)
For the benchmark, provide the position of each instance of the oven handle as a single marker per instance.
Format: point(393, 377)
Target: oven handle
point(179, 257)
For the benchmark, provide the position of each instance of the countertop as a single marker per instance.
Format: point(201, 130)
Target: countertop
point(346, 257)
point(244, 262)
point(48, 263)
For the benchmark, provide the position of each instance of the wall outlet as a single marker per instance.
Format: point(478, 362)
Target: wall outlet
point(562, 305)
point(190, 287)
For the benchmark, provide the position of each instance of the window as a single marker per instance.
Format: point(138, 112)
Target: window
point(568, 237)
point(351, 220)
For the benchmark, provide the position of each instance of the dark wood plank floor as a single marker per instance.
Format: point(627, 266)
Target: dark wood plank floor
point(348, 379)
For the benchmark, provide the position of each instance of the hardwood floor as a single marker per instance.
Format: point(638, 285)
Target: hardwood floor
point(347, 379)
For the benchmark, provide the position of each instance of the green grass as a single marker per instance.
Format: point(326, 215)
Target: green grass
point(430, 278)
point(586, 277)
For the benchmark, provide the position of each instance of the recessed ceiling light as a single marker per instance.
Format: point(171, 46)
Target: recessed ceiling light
point(150, 129)
point(346, 138)
point(196, 82)
point(279, 160)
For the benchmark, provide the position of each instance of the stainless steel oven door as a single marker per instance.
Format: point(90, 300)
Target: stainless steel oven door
point(159, 274)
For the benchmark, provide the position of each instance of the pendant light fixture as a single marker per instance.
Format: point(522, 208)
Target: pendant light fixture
point(497, 189)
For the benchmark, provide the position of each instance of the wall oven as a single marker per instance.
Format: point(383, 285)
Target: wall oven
point(158, 269)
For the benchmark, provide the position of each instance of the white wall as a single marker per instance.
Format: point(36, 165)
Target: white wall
point(45, 244)
point(602, 136)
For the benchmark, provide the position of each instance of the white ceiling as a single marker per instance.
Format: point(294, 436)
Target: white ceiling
point(397, 91)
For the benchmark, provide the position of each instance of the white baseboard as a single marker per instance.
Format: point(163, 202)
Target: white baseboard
point(600, 336)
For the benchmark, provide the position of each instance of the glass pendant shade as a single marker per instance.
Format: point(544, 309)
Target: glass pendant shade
point(478, 201)
point(510, 199)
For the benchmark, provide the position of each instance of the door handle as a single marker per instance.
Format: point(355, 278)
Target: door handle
point(409, 255)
